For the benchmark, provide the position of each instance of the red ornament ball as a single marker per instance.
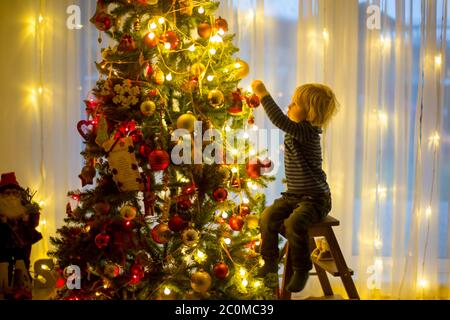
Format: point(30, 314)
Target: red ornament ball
point(253, 101)
point(102, 240)
point(137, 273)
point(150, 40)
point(204, 30)
point(222, 24)
point(253, 168)
point(244, 210)
point(177, 224)
point(236, 223)
point(184, 203)
point(220, 194)
point(171, 38)
point(159, 160)
point(161, 233)
point(221, 270)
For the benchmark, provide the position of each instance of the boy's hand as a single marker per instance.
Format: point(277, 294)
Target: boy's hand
point(259, 89)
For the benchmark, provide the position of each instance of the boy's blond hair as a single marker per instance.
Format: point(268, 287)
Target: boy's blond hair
point(320, 100)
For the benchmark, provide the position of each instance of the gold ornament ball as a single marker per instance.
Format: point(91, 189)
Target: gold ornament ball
point(216, 98)
point(190, 237)
point(201, 281)
point(158, 76)
point(186, 121)
point(242, 69)
point(148, 108)
point(128, 212)
point(252, 221)
point(198, 69)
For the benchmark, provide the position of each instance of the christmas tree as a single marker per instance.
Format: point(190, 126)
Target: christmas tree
point(169, 207)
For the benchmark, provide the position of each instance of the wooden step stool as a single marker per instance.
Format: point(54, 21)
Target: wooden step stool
point(337, 267)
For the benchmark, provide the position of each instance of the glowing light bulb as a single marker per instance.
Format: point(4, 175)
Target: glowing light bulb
point(257, 284)
point(433, 141)
point(151, 35)
point(255, 127)
point(201, 10)
point(246, 135)
point(234, 170)
point(250, 184)
point(242, 272)
point(41, 18)
point(97, 294)
point(428, 212)
point(224, 215)
point(216, 39)
point(438, 60)
point(169, 77)
point(41, 203)
point(191, 48)
point(379, 263)
point(40, 90)
point(423, 283)
point(255, 187)
point(221, 32)
point(200, 254)
point(210, 78)
point(226, 70)
point(326, 35)
point(245, 282)
point(167, 291)
point(227, 241)
point(261, 262)
point(227, 128)
point(245, 201)
point(212, 51)
point(252, 152)
point(237, 65)
point(385, 42)
point(257, 243)
point(161, 20)
point(45, 267)
point(381, 192)
point(167, 45)
point(234, 152)
point(153, 26)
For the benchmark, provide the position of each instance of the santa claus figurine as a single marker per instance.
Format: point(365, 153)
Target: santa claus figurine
point(19, 217)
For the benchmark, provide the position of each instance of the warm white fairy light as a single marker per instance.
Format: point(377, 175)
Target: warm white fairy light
point(167, 291)
point(261, 262)
point(45, 267)
point(216, 39)
point(151, 35)
point(210, 78)
point(381, 192)
point(169, 77)
point(246, 135)
point(41, 18)
point(40, 90)
point(382, 118)
point(423, 283)
point(257, 284)
point(250, 184)
point(234, 170)
point(161, 20)
point(237, 65)
point(227, 128)
point(245, 201)
point(326, 35)
point(385, 42)
point(201, 255)
point(433, 141)
point(255, 128)
point(224, 215)
point(153, 26)
point(221, 32)
point(192, 48)
point(438, 60)
point(212, 51)
point(167, 45)
point(227, 241)
point(252, 152)
point(245, 282)
point(428, 212)
point(201, 10)
point(242, 272)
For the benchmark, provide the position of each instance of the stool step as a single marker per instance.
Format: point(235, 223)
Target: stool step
point(330, 267)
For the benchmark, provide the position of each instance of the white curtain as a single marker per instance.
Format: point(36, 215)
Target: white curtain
point(386, 153)
point(47, 70)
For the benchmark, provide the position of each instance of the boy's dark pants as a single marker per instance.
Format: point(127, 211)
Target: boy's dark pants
point(297, 213)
